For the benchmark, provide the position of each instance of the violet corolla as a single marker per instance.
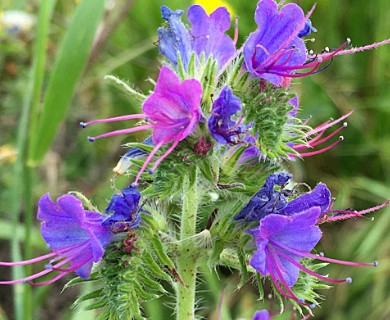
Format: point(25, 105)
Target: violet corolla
point(125, 210)
point(275, 51)
point(172, 112)
point(223, 129)
point(207, 35)
point(279, 249)
point(75, 236)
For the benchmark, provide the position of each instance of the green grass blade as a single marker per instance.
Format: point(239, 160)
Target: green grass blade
point(71, 59)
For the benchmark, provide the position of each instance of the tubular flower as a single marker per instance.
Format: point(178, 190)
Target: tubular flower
point(275, 44)
point(124, 209)
point(75, 237)
point(172, 112)
point(209, 33)
point(266, 200)
point(175, 39)
point(279, 249)
point(222, 127)
point(206, 36)
point(275, 51)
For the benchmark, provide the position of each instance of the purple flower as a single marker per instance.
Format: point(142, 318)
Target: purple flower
point(206, 36)
point(267, 200)
point(222, 127)
point(279, 249)
point(208, 33)
point(262, 315)
point(276, 237)
point(75, 236)
point(175, 39)
point(320, 197)
point(172, 112)
point(274, 47)
point(124, 209)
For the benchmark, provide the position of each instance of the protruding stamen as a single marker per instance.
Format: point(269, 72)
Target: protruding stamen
point(348, 280)
point(346, 214)
point(304, 254)
point(308, 271)
point(115, 119)
point(123, 131)
point(309, 154)
point(26, 262)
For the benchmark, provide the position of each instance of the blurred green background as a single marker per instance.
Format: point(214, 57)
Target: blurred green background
point(52, 67)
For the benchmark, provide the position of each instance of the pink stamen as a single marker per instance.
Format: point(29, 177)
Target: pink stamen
point(328, 124)
point(315, 142)
point(235, 39)
point(115, 119)
point(364, 48)
point(309, 154)
point(35, 276)
point(147, 161)
point(44, 283)
point(304, 254)
point(272, 266)
point(25, 262)
point(166, 154)
point(312, 273)
point(277, 266)
point(351, 214)
point(118, 132)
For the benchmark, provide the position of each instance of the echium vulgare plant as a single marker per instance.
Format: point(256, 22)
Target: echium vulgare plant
point(209, 186)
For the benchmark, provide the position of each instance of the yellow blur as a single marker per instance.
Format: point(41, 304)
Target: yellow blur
point(211, 5)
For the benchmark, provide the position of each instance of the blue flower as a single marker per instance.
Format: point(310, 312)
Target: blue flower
point(76, 237)
point(288, 231)
point(174, 39)
point(124, 209)
point(266, 200)
point(207, 35)
point(222, 127)
point(272, 51)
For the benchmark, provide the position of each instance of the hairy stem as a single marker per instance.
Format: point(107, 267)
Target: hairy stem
point(187, 259)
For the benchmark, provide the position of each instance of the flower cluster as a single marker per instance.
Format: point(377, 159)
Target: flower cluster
point(221, 121)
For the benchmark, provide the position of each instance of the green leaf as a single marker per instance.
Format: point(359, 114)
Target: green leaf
point(72, 57)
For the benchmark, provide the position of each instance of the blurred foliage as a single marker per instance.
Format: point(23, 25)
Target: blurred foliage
point(356, 171)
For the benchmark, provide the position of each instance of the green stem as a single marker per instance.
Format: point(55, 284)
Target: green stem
point(187, 260)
